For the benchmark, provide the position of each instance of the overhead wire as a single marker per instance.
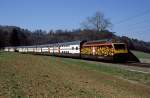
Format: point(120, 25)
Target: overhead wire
point(133, 17)
point(137, 16)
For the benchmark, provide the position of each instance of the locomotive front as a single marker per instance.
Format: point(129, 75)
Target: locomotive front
point(120, 52)
point(105, 50)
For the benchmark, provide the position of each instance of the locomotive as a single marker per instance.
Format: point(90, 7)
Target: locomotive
point(105, 50)
point(108, 50)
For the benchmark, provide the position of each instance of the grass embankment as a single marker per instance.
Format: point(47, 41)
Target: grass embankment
point(144, 57)
point(142, 54)
point(29, 76)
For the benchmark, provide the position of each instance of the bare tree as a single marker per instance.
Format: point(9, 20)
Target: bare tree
point(97, 22)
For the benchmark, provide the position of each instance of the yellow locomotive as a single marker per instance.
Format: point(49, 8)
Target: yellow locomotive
point(104, 49)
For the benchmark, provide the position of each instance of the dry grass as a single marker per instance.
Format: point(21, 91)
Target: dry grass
point(28, 76)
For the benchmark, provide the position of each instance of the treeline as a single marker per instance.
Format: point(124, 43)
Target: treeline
point(136, 44)
point(15, 36)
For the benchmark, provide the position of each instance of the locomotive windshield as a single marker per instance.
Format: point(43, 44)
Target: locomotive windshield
point(119, 46)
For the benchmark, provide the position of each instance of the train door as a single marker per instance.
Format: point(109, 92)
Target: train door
point(48, 49)
point(58, 49)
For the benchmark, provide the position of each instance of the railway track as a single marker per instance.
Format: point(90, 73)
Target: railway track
point(146, 65)
point(136, 64)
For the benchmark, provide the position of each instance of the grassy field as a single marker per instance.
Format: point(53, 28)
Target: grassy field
point(144, 57)
point(142, 54)
point(32, 76)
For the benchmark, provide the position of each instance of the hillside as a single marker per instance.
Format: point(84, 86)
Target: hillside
point(32, 76)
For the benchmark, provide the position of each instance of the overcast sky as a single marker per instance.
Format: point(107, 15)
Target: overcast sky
point(129, 17)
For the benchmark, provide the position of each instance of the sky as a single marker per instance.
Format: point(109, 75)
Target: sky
point(129, 17)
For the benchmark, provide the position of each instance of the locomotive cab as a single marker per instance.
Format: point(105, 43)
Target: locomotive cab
point(120, 48)
point(120, 52)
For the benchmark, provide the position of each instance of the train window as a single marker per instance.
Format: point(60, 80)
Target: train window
point(72, 48)
point(76, 48)
point(119, 46)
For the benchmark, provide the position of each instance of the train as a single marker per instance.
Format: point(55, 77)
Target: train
point(106, 50)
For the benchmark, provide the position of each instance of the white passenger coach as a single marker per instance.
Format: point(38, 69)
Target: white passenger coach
point(63, 48)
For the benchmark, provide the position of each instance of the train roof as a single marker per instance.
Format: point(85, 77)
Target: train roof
point(69, 43)
point(85, 43)
point(9, 47)
point(49, 45)
point(25, 46)
point(60, 44)
point(100, 42)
